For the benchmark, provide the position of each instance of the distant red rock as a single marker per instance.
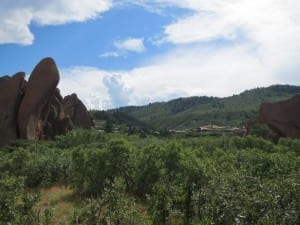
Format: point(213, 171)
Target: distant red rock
point(76, 110)
point(282, 117)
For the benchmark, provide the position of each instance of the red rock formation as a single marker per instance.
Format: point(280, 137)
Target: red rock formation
point(283, 117)
point(77, 112)
point(57, 123)
point(10, 98)
point(35, 110)
point(41, 86)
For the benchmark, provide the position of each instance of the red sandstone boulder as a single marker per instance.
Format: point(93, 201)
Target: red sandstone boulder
point(33, 111)
point(10, 99)
point(77, 111)
point(283, 117)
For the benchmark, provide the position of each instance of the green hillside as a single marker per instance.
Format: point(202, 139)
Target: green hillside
point(193, 112)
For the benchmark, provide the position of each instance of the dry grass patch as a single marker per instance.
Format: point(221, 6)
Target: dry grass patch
point(61, 200)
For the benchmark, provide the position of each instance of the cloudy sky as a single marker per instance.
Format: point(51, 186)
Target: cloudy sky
point(132, 52)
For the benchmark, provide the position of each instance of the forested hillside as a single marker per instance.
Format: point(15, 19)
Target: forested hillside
point(193, 112)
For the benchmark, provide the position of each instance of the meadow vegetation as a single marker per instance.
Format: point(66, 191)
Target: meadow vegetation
point(97, 178)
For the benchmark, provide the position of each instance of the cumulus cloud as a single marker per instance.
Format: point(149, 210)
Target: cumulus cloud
point(117, 89)
point(113, 54)
point(131, 44)
point(222, 49)
point(180, 73)
point(16, 16)
point(122, 47)
point(87, 83)
point(272, 25)
point(14, 26)
point(193, 71)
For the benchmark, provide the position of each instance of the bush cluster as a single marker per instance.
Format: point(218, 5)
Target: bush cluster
point(133, 180)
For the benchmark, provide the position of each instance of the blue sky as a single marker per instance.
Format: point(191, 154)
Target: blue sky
point(117, 53)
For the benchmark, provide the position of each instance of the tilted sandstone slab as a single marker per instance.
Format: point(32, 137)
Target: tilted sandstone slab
point(33, 112)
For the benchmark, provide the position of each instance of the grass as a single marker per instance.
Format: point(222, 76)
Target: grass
point(61, 200)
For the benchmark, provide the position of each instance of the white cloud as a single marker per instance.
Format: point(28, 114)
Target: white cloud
point(14, 26)
point(193, 71)
point(87, 83)
point(125, 46)
point(16, 16)
point(113, 54)
point(63, 11)
point(117, 89)
point(131, 44)
point(272, 27)
point(264, 49)
point(181, 73)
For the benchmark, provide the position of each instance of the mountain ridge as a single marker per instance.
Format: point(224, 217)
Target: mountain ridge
point(195, 111)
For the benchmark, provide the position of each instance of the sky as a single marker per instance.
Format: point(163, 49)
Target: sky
point(115, 53)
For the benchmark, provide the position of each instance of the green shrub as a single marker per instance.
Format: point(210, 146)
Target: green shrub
point(289, 145)
point(95, 169)
point(249, 142)
point(16, 206)
point(264, 131)
point(113, 208)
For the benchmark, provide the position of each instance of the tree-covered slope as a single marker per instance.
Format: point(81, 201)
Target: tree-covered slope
point(193, 112)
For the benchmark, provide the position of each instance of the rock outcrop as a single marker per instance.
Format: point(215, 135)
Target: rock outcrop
point(77, 111)
point(10, 99)
point(34, 110)
point(282, 117)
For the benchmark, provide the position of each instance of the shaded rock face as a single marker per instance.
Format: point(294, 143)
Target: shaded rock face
point(10, 99)
point(77, 111)
point(34, 110)
point(282, 117)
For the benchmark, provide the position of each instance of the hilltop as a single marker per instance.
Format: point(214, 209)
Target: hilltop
point(192, 112)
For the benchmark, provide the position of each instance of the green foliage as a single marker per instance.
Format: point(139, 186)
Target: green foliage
point(113, 208)
point(169, 181)
point(38, 165)
point(10, 188)
point(147, 170)
point(108, 126)
point(120, 118)
point(161, 203)
point(95, 169)
point(250, 142)
point(262, 130)
point(193, 112)
point(16, 206)
point(79, 137)
point(288, 145)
